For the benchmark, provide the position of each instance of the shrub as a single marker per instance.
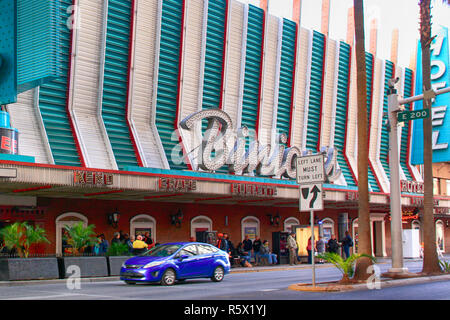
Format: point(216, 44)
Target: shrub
point(21, 235)
point(79, 237)
point(345, 266)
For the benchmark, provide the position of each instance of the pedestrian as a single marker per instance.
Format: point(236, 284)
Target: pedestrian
point(244, 256)
point(292, 247)
point(222, 244)
point(231, 250)
point(128, 241)
point(346, 244)
point(148, 239)
point(266, 253)
point(333, 245)
point(320, 245)
point(116, 238)
point(104, 245)
point(247, 244)
point(309, 249)
point(256, 247)
point(139, 246)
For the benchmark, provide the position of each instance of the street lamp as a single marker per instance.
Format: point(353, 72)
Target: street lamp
point(396, 218)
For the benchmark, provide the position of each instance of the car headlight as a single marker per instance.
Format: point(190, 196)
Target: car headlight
point(153, 264)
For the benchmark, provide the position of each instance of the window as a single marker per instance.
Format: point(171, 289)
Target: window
point(250, 227)
point(289, 223)
point(447, 182)
point(203, 249)
point(190, 251)
point(436, 186)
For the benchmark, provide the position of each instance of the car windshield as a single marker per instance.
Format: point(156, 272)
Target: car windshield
point(162, 251)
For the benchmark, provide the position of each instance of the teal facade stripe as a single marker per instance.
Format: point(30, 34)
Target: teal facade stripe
point(315, 92)
point(53, 102)
point(286, 84)
point(373, 184)
point(38, 42)
point(214, 59)
point(407, 91)
point(384, 145)
point(253, 57)
point(168, 70)
point(115, 83)
point(341, 111)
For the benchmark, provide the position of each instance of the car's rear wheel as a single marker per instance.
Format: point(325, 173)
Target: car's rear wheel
point(168, 278)
point(218, 274)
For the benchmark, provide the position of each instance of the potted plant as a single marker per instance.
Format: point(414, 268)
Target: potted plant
point(19, 237)
point(345, 266)
point(79, 238)
point(117, 254)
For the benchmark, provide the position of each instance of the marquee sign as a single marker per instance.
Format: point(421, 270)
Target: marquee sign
point(440, 77)
point(179, 185)
point(241, 189)
point(221, 145)
point(92, 178)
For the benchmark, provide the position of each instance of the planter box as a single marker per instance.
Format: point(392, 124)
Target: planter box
point(115, 263)
point(88, 266)
point(28, 269)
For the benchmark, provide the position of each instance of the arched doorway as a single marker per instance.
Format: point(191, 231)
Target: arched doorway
point(327, 229)
point(289, 223)
point(200, 223)
point(440, 236)
point(141, 224)
point(67, 219)
point(250, 227)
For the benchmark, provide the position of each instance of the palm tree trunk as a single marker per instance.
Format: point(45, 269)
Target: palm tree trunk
point(430, 258)
point(364, 241)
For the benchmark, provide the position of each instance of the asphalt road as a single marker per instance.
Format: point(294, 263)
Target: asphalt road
point(269, 285)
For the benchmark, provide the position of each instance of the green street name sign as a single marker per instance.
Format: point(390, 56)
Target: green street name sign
point(413, 115)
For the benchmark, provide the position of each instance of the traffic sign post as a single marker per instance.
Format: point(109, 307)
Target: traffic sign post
point(310, 176)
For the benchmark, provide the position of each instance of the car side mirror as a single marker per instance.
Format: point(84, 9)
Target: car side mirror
point(182, 257)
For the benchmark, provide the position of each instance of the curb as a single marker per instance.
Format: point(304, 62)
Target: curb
point(306, 287)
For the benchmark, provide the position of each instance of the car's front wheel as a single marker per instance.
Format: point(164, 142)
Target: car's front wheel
point(168, 278)
point(218, 274)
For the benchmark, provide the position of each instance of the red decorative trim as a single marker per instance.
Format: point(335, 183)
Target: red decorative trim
point(322, 85)
point(32, 189)
point(69, 89)
point(346, 120)
point(224, 50)
point(291, 115)
point(164, 196)
point(127, 104)
point(101, 193)
point(211, 199)
point(257, 200)
point(261, 65)
point(180, 62)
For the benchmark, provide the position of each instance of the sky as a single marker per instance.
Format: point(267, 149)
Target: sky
point(391, 14)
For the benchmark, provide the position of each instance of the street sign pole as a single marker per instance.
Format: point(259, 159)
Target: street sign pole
point(310, 176)
point(312, 250)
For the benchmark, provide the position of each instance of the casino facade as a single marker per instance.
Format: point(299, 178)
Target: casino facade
point(187, 115)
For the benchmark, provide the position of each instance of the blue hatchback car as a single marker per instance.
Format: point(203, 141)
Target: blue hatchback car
point(170, 262)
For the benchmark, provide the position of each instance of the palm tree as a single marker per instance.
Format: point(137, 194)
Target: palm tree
point(364, 241)
point(32, 235)
point(80, 237)
point(345, 266)
point(430, 258)
point(21, 235)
